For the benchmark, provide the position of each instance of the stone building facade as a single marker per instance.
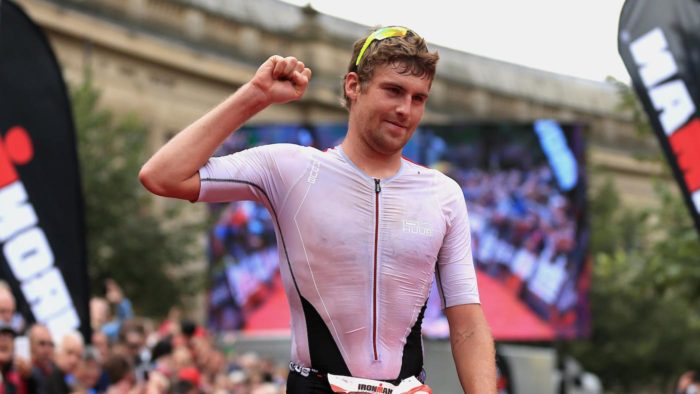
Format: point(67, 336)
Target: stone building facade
point(169, 61)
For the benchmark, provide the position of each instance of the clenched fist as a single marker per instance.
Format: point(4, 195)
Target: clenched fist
point(282, 80)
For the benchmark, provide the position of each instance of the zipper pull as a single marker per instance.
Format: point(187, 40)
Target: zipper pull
point(377, 187)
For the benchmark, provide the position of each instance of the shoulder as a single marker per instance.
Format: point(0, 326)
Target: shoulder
point(447, 193)
point(447, 184)
point(280, 149)
point(291, 157)
point(442, 184)
point(267, 155)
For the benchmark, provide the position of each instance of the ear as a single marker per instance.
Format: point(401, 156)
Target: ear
point(352, 85)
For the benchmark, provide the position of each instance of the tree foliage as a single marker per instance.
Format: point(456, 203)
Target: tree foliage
point(127, 239)
point(645, 290)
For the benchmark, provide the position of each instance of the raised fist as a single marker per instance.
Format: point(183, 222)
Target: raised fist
point(282, 79)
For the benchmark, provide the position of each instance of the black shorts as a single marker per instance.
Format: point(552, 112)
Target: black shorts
point(298, 384)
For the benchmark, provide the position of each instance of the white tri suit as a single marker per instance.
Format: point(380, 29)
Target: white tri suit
point(357, 255)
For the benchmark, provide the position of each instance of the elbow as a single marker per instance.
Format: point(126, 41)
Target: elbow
point(149, 179)
point(162, 183)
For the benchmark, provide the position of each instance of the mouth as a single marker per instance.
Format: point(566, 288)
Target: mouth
point(396, 125)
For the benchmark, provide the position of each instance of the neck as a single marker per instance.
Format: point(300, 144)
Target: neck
point(375, 164)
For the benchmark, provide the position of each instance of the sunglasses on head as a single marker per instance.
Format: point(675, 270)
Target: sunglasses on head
point(381, 34)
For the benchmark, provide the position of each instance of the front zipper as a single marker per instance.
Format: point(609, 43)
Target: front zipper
point(377, 190)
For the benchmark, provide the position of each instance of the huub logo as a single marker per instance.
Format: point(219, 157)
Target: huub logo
point(24, 243)
point(417, 227)
point(304, 371)
point(313, 173)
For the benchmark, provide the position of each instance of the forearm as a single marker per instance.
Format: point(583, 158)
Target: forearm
point(181, 157)
point(473, 351)
point(475, 360)
point(173, 170)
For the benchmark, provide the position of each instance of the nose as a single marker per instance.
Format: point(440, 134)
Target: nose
point(403, 107)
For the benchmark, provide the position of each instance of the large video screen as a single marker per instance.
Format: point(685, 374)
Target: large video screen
point(525, 190)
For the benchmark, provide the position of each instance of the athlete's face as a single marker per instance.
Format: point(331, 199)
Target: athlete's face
point(386, 110)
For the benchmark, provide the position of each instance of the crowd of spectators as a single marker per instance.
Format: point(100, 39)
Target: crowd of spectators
point(243, 238)
point(527, 232)
point(126, 354)
point(523, 230)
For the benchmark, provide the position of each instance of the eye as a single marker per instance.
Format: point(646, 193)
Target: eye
point(420, 99)
point(394, 90)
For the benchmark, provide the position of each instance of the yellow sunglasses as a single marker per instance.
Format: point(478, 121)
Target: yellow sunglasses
point(381, 34)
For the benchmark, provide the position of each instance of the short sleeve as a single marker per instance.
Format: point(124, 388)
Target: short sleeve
point(455, 272)
point(252, 174)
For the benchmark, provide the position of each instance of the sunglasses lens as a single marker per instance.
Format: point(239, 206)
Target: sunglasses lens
point(391, 32)
point(378, 35)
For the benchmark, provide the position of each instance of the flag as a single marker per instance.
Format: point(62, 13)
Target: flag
point(659, 42)
point(41, 210)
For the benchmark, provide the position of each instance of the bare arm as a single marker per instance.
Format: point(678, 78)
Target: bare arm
point(472, 348)
point(173, 170)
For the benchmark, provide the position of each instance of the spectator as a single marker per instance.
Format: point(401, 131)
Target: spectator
point(188, 330)
point(171, 325)
point(120, 370)
point(158, 383)
point(133, 338)
point(68, 356)
point(182, 357)
point(192, 375)
point(688, 383)
point(162, 356)
point(8, 311)
point(41, 348)
point(212, 367)
point(12, 382)
point(89, 371)
point(184, 387)
point(101, 342)
point(7, 304)
point(101, 318)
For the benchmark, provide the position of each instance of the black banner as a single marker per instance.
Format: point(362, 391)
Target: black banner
point(659, 41)
point(41, 212)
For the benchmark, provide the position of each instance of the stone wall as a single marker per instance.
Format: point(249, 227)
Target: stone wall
point(169, 61)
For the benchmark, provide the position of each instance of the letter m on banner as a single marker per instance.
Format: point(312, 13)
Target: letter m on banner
point(659, 42)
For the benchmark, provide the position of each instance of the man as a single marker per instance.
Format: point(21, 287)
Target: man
point(100, 310)
point(356, 275)
point(688, 383)
point(68, 356)
point(120, 370)
point(133, 337)
point(41, 349)
point(8, 311)
point(89, 372)
point(7, 304)
point(101, 342)
point(11, 381)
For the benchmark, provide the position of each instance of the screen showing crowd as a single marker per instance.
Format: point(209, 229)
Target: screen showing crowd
point(525, 190)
